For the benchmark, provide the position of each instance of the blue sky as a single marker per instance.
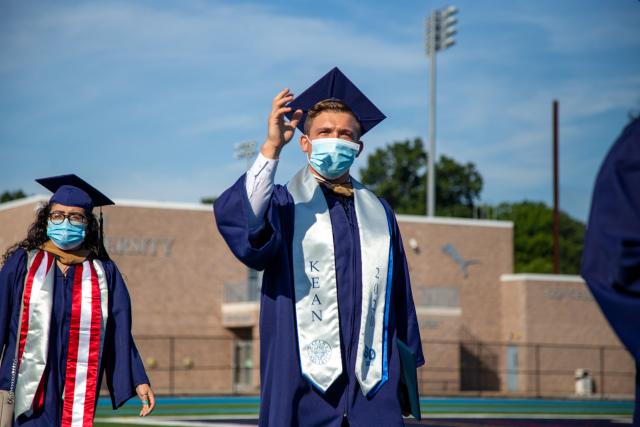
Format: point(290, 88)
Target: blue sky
point(146, 99)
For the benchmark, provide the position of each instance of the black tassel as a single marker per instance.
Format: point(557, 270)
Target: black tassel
point(101, 228)
point(103, 250)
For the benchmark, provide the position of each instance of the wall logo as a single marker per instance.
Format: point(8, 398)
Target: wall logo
point(462, 263)
point(133, 246)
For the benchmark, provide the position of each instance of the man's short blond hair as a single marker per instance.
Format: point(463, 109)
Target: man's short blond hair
point(331, 105)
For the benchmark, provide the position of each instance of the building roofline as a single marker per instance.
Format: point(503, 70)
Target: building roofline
point(571, 278)
point(23, 202)
point(119, 202)
point(455, 221)
point(155, 204)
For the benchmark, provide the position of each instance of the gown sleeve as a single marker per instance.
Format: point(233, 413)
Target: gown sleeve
point(12, 277)
point(232, 218)
point(611, 255)
point(406, 320)
point(124, 369)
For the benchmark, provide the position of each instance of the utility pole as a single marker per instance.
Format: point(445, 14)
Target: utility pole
point(440, 31)
point(556, 193)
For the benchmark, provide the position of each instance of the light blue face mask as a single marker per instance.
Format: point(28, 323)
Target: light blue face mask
point(66, 235)
point(332, 157)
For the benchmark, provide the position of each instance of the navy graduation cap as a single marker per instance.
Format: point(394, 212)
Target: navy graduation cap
point(335, 85)
point(71, 190)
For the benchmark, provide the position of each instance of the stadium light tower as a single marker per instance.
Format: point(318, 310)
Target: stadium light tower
point(246, 151)
point(440, 31)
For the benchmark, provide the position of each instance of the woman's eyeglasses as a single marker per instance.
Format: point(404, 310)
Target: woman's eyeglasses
point(75, 218)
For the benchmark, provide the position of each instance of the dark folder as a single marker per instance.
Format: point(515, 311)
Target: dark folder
point(408, 390)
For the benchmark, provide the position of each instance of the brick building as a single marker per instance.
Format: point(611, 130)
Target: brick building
point(484, 329)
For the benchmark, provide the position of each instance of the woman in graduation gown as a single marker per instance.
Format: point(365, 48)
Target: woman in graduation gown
point(75, 325)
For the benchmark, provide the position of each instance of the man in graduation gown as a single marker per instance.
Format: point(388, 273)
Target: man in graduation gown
point(611, 258)
point(336, 293)
point(76, 322)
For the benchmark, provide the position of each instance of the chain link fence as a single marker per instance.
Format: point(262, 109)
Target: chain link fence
point(192, 365)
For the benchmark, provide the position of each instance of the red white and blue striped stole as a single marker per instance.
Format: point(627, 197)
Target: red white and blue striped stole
point(83, 354)
point(86, 338)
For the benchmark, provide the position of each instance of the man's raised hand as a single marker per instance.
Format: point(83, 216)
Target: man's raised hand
point(280, 131)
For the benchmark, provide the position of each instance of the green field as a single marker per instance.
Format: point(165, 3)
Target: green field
point(172, 408)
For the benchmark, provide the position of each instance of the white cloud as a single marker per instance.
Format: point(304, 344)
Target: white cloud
point(198, 33)
point(217, 124)
point(156, 80)
point(573, 33)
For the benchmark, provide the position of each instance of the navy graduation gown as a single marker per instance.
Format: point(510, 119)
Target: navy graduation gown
point(287, 399)
point(121, 362)
point(611, 258)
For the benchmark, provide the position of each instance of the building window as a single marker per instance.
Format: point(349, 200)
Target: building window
point(254, 281)
point(242, 359)
point(438, 297)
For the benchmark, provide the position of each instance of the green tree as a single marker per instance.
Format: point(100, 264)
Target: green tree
point(7, 196)
point(533, 239)
point(397, 173)
point(458, 187)
point(208, 200)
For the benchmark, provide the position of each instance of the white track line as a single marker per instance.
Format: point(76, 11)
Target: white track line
point(192, 422)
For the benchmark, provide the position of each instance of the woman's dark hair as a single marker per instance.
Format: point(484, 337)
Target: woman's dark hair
point(37, 235)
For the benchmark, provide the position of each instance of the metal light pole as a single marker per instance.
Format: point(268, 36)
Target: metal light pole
point(440, 31)
point(247, 150)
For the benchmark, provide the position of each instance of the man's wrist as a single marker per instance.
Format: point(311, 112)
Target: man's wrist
point(270, 150)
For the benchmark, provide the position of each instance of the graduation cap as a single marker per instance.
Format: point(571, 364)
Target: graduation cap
point(335, 85)
point(71, 190)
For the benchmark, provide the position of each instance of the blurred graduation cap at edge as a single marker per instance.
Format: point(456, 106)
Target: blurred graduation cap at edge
point(335, 85)
point(71, 190)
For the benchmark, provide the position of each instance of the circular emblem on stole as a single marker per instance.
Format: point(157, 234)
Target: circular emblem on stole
point(319, 352)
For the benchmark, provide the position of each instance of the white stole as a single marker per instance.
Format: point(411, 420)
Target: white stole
point(316, 292)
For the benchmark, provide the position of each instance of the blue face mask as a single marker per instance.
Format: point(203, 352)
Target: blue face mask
point(332, 157)
point(66, 235)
